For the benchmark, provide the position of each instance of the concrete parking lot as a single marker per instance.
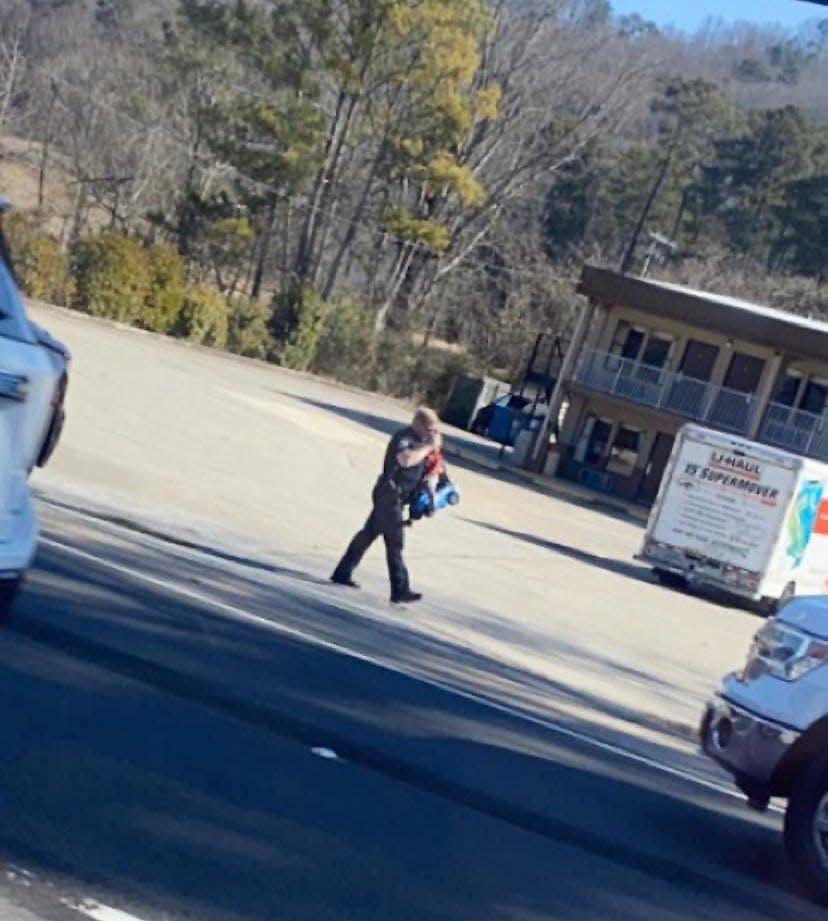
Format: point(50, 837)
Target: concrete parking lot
point(271, 465)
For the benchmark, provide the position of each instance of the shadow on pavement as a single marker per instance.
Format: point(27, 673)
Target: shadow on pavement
point(309, 603)
point(383, 424)
point(154, 748)
point(488, 452)
point(631, 570)
point(608, 564)
point(184, 544)
point(479, 457)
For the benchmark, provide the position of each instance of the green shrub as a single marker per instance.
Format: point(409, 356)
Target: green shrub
point(112, 277)
point(344, 348)
point(18, 229)
point(41, 265)
point(166, 295)
point(393, 360)
point(301, 318)
point(203, 317)
point(43, 270)
point(434, 375)
point(248, 332)
point(403, 368)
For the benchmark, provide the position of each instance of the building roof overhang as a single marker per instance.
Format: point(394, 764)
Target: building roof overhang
point(779, 330)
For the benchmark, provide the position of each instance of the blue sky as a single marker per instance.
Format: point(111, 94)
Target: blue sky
point(688, 15)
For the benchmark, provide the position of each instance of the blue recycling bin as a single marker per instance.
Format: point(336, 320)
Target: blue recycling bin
point(508, 420)
point(502, 423)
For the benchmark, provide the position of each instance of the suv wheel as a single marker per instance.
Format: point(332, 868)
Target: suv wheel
point(769, 607)
point(806, 829)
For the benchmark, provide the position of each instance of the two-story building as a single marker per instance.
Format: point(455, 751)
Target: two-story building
point(648, 356)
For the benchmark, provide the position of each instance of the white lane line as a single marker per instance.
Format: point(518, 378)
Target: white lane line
point(327, 753)
point(98, 912)
point(243, 616)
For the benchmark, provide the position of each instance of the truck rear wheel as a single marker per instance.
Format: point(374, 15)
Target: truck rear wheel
point(670, 579)
point(806, 829)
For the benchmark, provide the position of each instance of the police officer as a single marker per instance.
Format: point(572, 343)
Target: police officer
point(402, 472)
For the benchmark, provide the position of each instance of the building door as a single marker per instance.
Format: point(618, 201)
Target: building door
point(698, 360)
point(654, 471)
point(687, 395)
point(594, 442)
point(744, 373)
point(731, 409)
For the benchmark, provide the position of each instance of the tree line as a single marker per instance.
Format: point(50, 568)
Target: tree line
point(393, 190)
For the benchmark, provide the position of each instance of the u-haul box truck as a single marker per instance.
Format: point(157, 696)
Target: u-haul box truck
point(739, 516)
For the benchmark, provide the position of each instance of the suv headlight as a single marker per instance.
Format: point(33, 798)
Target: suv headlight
point(784, 652)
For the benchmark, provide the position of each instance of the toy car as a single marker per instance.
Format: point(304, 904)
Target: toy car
point(421, 505)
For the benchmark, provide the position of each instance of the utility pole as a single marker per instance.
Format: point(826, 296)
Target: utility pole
point(629, 255)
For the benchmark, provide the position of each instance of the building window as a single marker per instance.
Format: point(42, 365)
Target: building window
point(814, 397)
point(788, 389)
point(626, 344)
point(625, 451)
point(634, 349)
point(657, 351)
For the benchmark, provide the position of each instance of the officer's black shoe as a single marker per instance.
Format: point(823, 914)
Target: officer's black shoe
point(338, 579)
point(406, 597)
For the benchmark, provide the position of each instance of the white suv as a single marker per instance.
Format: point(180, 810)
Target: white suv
point(33, 379)
point(768, 725)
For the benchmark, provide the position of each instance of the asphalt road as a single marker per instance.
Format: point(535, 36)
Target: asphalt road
point(185, 739)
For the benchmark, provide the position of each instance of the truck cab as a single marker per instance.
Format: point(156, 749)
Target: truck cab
point(768, 726)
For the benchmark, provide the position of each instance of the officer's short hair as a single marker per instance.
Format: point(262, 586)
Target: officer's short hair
point(426, 417)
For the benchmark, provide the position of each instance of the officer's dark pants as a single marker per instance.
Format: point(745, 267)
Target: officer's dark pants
point(385, 519)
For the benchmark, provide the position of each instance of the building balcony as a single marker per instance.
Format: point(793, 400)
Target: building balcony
point(795, 430)
point(667, 391)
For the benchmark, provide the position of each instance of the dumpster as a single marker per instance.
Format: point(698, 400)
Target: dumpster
point(468, 395)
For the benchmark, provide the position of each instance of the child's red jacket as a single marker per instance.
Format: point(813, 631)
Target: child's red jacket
point(435, 465)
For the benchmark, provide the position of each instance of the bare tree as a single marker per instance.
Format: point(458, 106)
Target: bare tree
point(14, 24)
point(562, 85)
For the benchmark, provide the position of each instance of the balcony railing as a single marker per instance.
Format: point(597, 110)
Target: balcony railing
point(795, 430)
point(669, 391)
